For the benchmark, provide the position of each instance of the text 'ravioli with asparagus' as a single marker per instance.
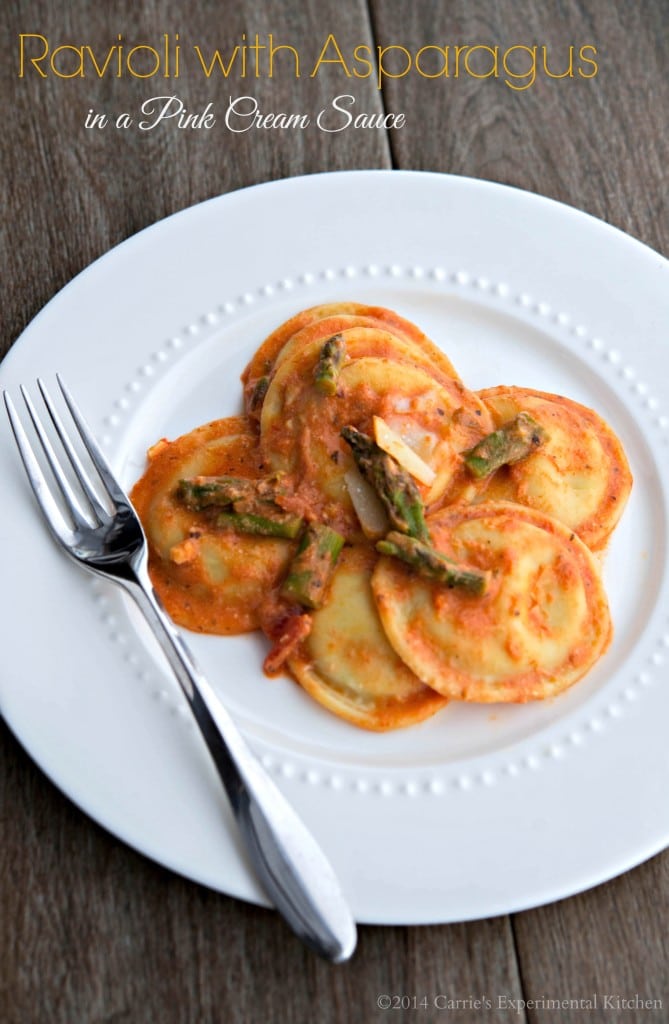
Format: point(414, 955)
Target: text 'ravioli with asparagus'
point(401, 540)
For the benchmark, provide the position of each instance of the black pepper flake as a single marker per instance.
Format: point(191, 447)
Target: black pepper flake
point(334, 456)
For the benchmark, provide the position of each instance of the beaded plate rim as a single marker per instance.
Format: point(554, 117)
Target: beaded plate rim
point(300, 767)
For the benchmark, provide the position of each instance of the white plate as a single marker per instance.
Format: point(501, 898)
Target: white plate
point(481, 810)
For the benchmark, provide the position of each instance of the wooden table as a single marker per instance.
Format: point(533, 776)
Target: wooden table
point(90, 930)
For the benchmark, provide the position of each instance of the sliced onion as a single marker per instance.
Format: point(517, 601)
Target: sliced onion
point(392, 444)
point(367, 504)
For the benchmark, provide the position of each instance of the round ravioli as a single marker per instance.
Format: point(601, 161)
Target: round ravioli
point(349, 314)
point(210, 580)
point(542, 622)
point(298, 362)
point(301, 427)
point(580, 473)
point(346, 662)
point(366, 336)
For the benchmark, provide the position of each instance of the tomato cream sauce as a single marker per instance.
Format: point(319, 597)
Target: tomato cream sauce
point(210, 580)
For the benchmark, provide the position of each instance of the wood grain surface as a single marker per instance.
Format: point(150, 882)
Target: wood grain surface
point(91, 931)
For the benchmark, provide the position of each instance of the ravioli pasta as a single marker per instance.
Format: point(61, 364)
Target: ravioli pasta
point(401, 540)
point(542, 622)
point(347, 636)
point(580, 475)
point(210, 580)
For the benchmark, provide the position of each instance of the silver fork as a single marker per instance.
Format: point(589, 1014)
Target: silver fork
point(97, 526)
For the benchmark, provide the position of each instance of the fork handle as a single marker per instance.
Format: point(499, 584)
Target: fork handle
point(288, 862)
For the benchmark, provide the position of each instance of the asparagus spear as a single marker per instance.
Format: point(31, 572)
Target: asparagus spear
point(394, 486)
point(312, 566)
point(256, 395)
point(329, 364)
point(247, 506)
point(431, 564)
point(270, 525)
point(200, 492)
point(511, 443)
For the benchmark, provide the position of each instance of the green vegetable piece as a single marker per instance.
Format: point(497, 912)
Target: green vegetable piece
point(432, 565)
point(330, 362)
point(201, 492)
point(242, 495)
point(313, 565)
point(513, 441)
point(394, 486)
point(270, 525)
point(257, 395)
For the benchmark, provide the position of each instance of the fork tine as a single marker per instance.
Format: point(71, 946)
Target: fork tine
point(52, 512)
point(71, 499)
point(99, 460)
point(81, 474)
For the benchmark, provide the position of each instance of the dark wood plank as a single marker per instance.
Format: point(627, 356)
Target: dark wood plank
point(599, 144)
point(608, 947)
